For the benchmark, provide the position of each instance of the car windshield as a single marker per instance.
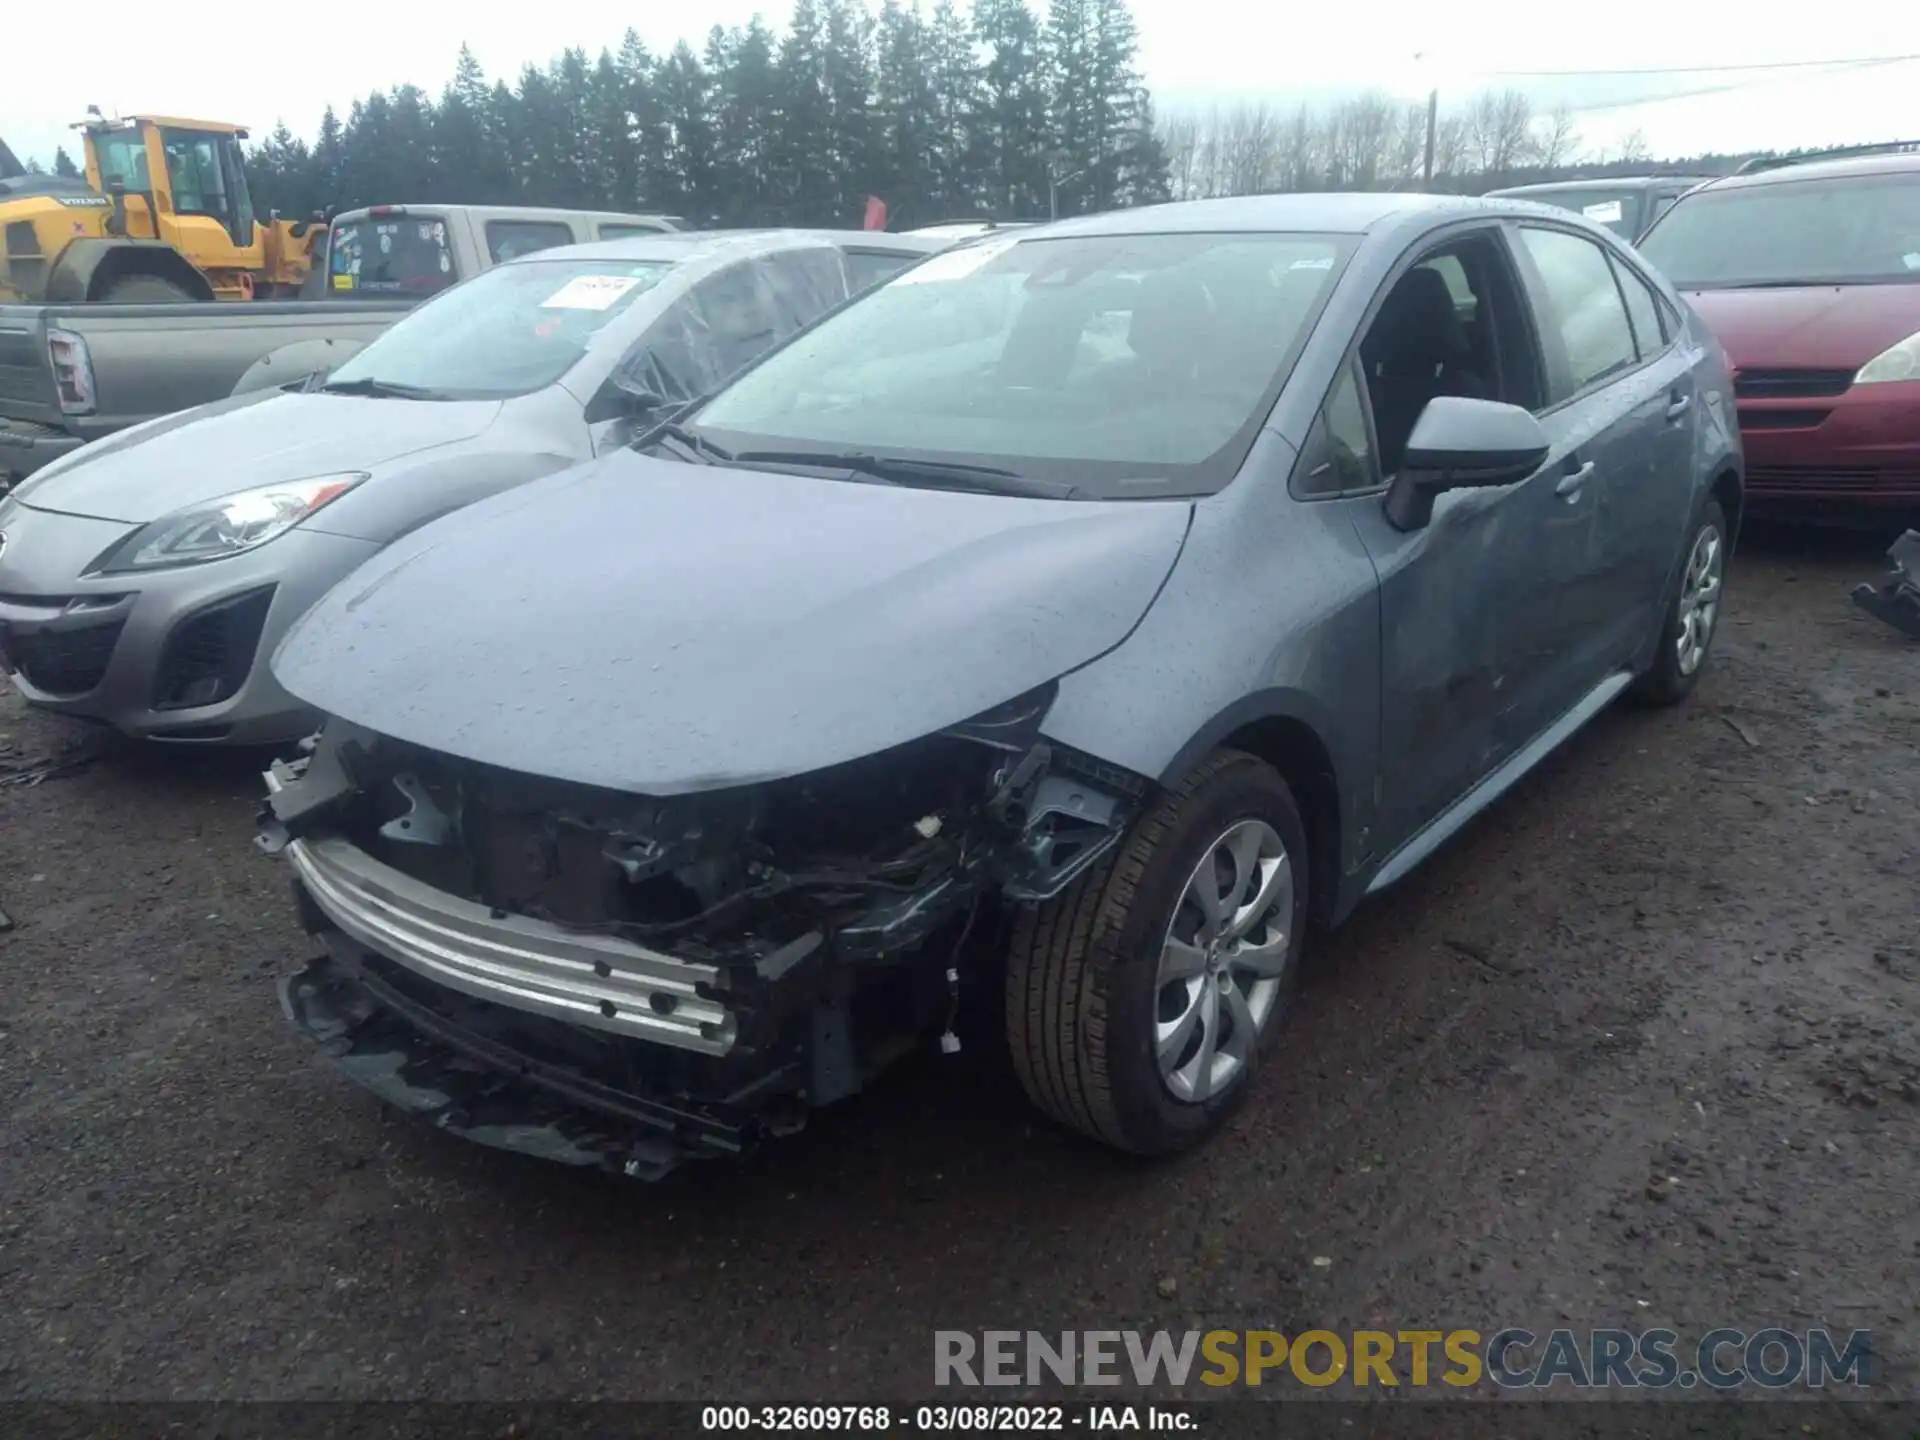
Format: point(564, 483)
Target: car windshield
point(402, 254)
point(1856, 229)
point(1120, 364)
point(515, 329)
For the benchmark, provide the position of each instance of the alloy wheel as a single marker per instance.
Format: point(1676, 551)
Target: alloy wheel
point(1699, 599)
point(1222, 961)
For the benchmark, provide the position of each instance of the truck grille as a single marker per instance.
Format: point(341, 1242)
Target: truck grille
point(61, 662)
point(208, 656)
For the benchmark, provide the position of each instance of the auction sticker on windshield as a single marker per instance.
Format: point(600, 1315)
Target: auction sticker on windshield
point(590, 292)
point(954, 263)
point(1604, 213)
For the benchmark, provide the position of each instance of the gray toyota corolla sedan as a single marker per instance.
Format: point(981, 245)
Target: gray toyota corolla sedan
point(1112, 598)
point(145, 577)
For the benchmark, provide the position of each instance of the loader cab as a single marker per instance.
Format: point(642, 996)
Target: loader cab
point(184, 182)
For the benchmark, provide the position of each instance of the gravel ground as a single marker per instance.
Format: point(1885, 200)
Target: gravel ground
point(1642, 1047)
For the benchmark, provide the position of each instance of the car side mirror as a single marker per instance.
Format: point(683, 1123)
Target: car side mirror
point(623, 400)
point(1460, 444)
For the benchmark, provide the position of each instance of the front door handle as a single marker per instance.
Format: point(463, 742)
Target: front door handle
point(1570, 486)
point(1679, 406)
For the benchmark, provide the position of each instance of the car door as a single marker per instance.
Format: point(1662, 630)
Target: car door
point(1575, 627)
point(1611, 398)
point(1646, 514)
point(1436, 595)
point(1444, 587)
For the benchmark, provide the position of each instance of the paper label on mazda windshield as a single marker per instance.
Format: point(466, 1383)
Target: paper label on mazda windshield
point(1605, 213)
point(590, 292)
point(955, 263)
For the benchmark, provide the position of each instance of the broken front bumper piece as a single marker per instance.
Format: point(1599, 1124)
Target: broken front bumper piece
point(627, 982)
point(1897, 601)
point(446, 1064)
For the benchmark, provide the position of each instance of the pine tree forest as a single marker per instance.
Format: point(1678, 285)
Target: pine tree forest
point(944, 113)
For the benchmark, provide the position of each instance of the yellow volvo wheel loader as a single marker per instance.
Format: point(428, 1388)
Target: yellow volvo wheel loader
point(163, 214)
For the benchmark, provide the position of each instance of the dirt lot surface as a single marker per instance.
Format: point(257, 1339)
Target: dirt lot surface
point(1642, 1047)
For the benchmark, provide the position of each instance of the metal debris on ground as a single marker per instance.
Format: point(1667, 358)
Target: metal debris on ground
point(1897, 601)
point(1741, 730)
point(18, 767)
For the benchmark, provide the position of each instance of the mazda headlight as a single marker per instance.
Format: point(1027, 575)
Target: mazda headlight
point(1896, 362)
point(230, 525)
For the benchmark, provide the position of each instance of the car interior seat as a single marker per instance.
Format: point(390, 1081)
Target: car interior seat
point(1417, 348)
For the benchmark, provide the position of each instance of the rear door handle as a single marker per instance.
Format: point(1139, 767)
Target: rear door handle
point(1570, 486)
point(1679, 407)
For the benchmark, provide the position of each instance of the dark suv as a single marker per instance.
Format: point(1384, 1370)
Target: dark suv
point(1808, 272)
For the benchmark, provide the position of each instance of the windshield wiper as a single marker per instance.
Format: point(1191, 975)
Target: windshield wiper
point(385, 389)
point(698, 447)
point(920, 474)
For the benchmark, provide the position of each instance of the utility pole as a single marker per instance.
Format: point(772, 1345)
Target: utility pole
point(1433, 124)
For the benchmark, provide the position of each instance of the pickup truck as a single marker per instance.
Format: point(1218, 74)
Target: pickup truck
point(72, 373)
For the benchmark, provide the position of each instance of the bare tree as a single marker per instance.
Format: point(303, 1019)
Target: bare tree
point(1558, 141)
point(1302, 152)
point(1360, 137)
point(1633, 147)
point(1249, 141)
point(1180, 137)
point(1500, 131)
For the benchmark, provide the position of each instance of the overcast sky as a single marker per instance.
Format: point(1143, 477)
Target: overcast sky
point(141, 57)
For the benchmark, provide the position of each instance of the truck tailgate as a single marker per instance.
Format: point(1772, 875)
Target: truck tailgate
point(151, 360)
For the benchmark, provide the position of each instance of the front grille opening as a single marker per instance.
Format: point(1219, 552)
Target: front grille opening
point(1782, 419)
point(1791, 384)
point(209, 655)
point(61, 662)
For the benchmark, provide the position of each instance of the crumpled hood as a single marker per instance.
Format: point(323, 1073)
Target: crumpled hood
point(659, 627)
point(1809, 327)
point(249, 440)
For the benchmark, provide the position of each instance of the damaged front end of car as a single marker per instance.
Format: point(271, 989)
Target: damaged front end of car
point(628, 981)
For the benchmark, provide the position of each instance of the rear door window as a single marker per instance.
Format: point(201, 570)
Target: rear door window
point(867, 268)
point(376, 255)
point(1643, 309)
point(624, 230)
point(509, 239)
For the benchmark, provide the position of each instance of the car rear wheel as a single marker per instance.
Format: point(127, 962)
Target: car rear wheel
point(1693, 613)
point(1139, 1002)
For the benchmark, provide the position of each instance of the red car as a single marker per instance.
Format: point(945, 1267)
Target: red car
point(1807, 270)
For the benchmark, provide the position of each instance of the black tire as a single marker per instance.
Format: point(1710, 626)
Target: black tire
point(1664, 682)
point(144, 290)
point(1081, 969)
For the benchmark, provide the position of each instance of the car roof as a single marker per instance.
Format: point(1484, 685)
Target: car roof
point(701, 244)
point(1838, 169)
point(1343, 213)
point(1623, 182)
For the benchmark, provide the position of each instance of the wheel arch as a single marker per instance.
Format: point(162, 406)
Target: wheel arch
point(1288, 731)
point(87, 267)
point(1727, 488)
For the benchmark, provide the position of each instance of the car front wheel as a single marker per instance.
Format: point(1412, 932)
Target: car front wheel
point(1140, 1000)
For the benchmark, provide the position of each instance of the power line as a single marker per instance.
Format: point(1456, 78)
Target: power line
point(1721, 89)
point(1700, 69)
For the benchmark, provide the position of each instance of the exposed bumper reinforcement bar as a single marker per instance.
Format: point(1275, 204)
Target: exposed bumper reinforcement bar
point(476, 1087)
point(598, 981)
